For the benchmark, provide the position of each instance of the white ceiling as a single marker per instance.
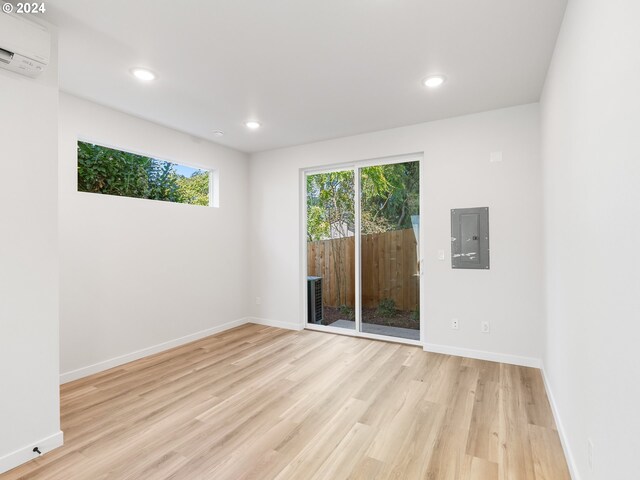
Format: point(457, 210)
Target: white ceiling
point(307, 69)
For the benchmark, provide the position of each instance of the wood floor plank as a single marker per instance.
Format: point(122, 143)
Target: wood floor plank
point(475, 468)
point(536, 401)
point(548, 459)
point(449, 449)
point(484, 431)
point(516, 459)
point(260, 403)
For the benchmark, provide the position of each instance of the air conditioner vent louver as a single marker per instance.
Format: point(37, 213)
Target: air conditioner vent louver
point(5, 56)
point(314, 300)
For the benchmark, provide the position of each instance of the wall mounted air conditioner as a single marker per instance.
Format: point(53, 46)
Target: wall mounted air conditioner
point(314, 300)
point(25, 47)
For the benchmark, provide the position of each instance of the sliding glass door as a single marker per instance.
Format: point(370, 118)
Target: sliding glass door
point(362, 254)
point(331, 260)
point(389, 219)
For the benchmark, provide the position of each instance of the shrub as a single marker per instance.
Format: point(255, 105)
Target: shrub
point(347, 312)
point(386, 308)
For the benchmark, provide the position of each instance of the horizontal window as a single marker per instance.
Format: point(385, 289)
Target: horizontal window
point(115, 172)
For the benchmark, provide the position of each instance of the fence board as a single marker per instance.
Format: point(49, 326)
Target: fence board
point(389, 267)
point(351, 283)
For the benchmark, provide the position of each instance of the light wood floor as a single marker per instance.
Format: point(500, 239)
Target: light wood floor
point(263, 403)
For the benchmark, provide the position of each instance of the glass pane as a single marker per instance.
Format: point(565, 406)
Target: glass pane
point(331, 249)
point(390, 257)
point(115, 172)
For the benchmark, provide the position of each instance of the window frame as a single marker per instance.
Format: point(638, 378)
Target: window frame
point(214, 175)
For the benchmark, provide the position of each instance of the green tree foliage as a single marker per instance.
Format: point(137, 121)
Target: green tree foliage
point(194, 189)
point(330, 205)
point(390, 195)
point(114, 172)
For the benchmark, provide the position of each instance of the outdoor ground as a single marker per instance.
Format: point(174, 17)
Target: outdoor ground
point(402, 319)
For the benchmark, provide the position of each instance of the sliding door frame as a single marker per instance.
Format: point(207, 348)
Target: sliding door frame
point(357, 167)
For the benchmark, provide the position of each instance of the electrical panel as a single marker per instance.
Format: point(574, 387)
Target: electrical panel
point(470, 238)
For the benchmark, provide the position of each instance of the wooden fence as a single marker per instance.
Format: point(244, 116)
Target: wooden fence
point(389, 269)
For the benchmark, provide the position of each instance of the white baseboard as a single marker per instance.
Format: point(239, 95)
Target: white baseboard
point(571, 463)
point(145, 352)
point(24, 454)
point(483, 355)
point(274, 323)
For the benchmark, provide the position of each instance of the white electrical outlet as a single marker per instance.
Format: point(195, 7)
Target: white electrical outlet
point(258, 300)
point(485, 327)
point(440, 254)
point(590, 453)
point(454, 324)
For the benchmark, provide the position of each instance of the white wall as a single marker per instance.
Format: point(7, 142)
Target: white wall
point(29, 400)
point(591, 152)
point(457, 174)
point(137, 273)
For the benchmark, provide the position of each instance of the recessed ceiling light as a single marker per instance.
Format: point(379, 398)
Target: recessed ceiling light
point(434, 81)
point(218, 133)
point(143, 74)
point(252, 124)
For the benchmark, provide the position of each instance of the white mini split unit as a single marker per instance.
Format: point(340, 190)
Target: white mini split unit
point(25, 47)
